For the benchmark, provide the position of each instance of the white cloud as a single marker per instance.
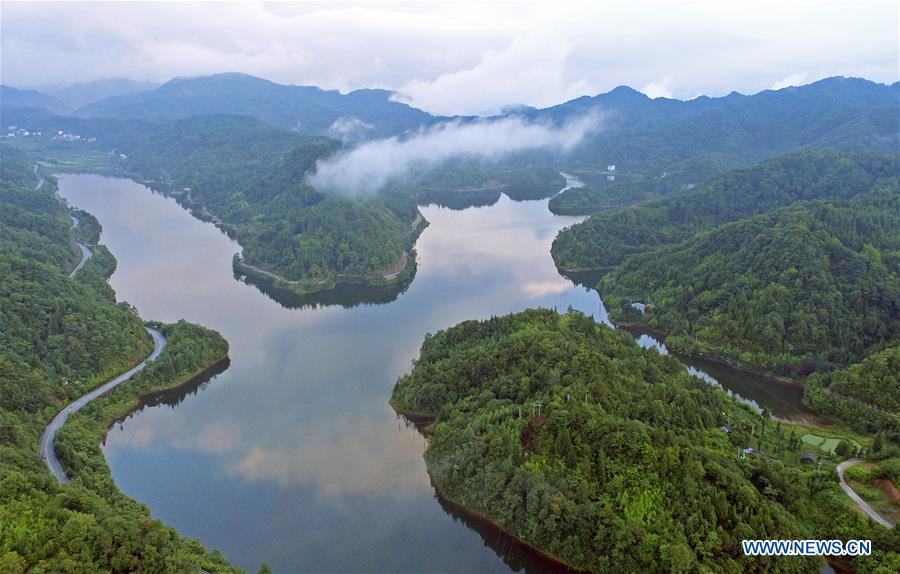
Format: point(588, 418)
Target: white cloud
point(796, 79)
point(367, 168)
point(458, 57)
point(532, 70)
point(349, 129)
point(658, 89)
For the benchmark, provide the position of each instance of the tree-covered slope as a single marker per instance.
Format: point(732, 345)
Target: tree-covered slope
point(865, 395)
point(577, 201)
point(648, 137)
point(61, 336)
point(605, 239)
point(251, 179)
point(792, 290)
point(624, 468)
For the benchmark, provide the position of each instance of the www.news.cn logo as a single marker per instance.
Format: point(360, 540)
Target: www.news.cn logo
point(807, 547)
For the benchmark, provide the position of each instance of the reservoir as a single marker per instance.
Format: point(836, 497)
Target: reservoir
point(292, 455)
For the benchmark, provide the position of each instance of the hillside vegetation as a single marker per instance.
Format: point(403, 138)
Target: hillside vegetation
point(865, 395)
point(59, 338)
point(624, 467)
point(696, 139)
point(605, 239)
point(797, 289)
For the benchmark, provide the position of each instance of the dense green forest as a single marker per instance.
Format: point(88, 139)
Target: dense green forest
point(578, 201)
point(606, 238)
point(462, 183)
point(245, 174)
point(629, 189)
point(251, 180)
point(794, 290)
point(704, 136)
point(865, 395)
point(572, 438)
point(60, 337)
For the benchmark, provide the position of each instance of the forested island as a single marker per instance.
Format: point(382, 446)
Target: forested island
point(61, 336)
point(612, 458)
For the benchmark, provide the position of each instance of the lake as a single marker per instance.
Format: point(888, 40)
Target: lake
point(292, 455)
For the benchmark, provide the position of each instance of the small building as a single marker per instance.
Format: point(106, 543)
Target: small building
point(809, 457)
point(725, 429)
point(752, 452)
point(611, 167)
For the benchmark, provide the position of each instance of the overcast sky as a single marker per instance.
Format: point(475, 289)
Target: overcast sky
point(460, 58)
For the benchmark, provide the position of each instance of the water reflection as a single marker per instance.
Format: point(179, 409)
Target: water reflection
point(516, 555)
point(346, 296)
point(174, 397)
point(780, 399)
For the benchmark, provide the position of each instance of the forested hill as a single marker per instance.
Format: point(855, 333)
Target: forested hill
point(625, 467)
point(605, 239)
point(250, 178)
point(865, 395)
point(794, 290)
point(306, 109)
point(696, 138)
point(60, 337)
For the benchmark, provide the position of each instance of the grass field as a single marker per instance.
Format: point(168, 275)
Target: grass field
point(827, 444)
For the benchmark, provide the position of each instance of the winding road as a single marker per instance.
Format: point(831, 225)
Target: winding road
point(86, 252)
point(40, 180)
point(85, 255)
point(862, 504)
point(48, 453)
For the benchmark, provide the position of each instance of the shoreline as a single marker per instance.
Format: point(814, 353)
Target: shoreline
point(463, 509)
point(300, 286)
point(395, 275)
point(422, 421)
point(661, 334)
point(310, 287)
point(141, 400)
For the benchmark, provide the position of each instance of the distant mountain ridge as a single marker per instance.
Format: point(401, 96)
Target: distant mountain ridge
point(11, 97)
point(81, 94)
point(306, 109)
point(836, 111)
point(658, 146)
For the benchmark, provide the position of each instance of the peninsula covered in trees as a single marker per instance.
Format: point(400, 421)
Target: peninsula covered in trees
point(612, 458)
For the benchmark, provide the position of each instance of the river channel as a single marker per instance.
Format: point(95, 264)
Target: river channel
point(292, 455)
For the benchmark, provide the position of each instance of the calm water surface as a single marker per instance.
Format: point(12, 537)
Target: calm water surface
point(292, 456)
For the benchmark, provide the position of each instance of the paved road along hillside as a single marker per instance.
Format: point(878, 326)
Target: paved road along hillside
point(48, 453)
point(862, 504)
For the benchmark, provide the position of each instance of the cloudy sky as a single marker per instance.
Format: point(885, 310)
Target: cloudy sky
point(460, 58)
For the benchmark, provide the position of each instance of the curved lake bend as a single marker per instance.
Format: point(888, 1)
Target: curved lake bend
point(292, 456)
